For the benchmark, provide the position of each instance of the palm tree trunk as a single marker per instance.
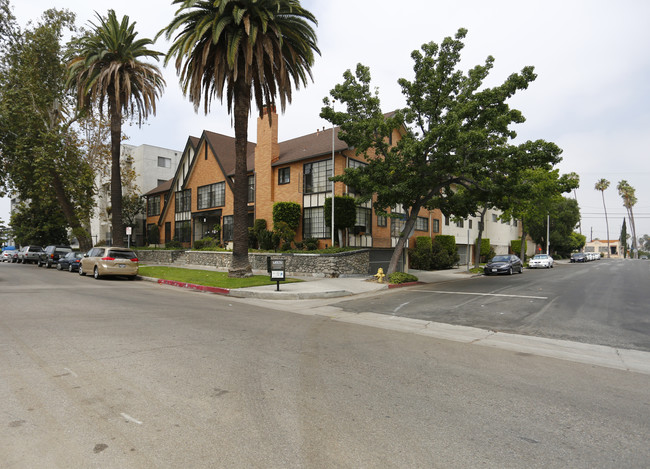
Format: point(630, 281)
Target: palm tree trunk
point(116, 177)
point(240, 266)
point(635, 249)
point(606, 222)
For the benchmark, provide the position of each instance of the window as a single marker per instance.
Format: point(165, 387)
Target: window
point(514, 222)
point(227, 227)
point(184, 201)
point(436, 226)
point(164, 162)
point(251, 189)
point(316, 176)
point(183, 231)
point(313, 223)
point(213, 195)
point(422, 224)
point(470, 224)
point(396, 226)
point(495, 218)
point(460, 223)
point(153, 206)
point(381, 220)
point(446, 220)
point(363, 224)
point(354, 164)
point(284, 175)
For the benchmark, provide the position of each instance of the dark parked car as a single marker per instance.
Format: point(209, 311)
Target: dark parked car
point(52, 254)
point(504, 264)
point(29, 254)
point(578, 257)
point(70, 261)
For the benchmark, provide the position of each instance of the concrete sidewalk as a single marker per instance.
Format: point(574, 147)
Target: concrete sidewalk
point(316, 287)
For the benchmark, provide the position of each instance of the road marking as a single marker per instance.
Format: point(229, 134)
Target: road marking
point(130, 419)
point(400, 307)
point(483, 294)
point(71, 372)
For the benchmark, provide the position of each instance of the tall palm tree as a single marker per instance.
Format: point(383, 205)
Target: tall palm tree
point(602, 186)
point(628, 193)
point(107, 68)
point(241, 50)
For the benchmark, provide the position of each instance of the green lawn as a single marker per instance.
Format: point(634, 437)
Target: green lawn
point(208, 278)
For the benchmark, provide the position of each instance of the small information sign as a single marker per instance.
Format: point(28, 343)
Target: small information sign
point(277, 271)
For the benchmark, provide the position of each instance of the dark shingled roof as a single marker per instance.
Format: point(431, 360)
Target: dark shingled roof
point(309, 146)
point(164, 187)
point(224, 147)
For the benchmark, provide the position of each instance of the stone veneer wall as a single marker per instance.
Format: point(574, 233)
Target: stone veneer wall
point(342, 264)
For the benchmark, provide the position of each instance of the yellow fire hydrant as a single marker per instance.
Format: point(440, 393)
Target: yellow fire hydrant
point(380, 275)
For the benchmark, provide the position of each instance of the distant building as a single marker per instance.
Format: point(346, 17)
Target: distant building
point(598, 245)
point(152, 166)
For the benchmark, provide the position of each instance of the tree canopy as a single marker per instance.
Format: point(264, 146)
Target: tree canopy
point(454, 131)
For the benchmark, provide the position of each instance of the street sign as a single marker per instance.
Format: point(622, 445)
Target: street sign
point(277, 270)
point(128, 230)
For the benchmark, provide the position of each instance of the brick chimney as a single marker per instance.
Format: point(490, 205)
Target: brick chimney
point(267, 151)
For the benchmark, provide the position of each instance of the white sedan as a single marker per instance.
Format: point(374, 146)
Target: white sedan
point(541, 260)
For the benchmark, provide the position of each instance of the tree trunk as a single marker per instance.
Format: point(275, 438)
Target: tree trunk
point(606, 222)
point(85, 242)
point(479, 238)
point(522, 249)
point(397, 252)
point(240, 266)
point(115, 113)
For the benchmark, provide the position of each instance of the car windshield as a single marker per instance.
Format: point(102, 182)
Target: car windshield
point(122, 254)
point(540, 256)
point(500, 259)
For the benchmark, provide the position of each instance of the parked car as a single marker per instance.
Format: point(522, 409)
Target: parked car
point(7, 253)
point(504, 264)
point(102, 261)
point(29, 254)
point(70, 261)
point(50, 256)
point(578, 257)
point(541, 260)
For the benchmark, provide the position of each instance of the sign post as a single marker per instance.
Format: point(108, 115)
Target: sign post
point(278, 271)
point(128, 234)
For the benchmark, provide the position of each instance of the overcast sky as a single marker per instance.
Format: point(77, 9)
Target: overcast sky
point(591, 97)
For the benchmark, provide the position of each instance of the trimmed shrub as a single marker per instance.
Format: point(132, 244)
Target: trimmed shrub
point(153, 234)
point(515, 247)
point(487, 252)
point(268, 240)
point(287, 212)
point(444, 252)
point(205, 243)
point(401, 277)
point(420, 256)
point(311, 244)
point(173, 244)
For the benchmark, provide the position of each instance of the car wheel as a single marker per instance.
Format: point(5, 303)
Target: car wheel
point(48, 265)
point(81, 270)
point(96, 273)
point(510, 271)
point(38, 264)
point(521, 269)
point(70, 268)
point(58, 266)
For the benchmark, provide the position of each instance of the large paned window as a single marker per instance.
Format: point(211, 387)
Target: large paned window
point(354, 164)
point(313, 223)
point(397, 224)
point(227, 227)
point(184, 201)
point(422, 224)
point(364, 221)
point(183, 231)
point(436, 225)
point(213, 195)
point(153, 206)
point(316, 177)
point(251, 189)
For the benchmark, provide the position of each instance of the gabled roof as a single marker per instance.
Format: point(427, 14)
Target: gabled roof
point(308, 146)
point(164, 187)
point(223, 148)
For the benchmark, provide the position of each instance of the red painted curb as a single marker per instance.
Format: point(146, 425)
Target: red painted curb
point(192, 286)
point(405, 284)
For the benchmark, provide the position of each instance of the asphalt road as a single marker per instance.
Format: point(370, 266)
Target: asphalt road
point(605, 302)
point(120, 374)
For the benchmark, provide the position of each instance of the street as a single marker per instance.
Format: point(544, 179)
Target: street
point(119, 374)
point(603, 302)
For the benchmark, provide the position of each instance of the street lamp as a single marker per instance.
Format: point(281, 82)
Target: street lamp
point(333, 101)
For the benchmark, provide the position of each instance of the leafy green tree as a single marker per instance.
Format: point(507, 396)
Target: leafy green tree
point(107, 71)
point(40, 222)
point(454, 132)
point(602, 185)
point(628, 194)
point(564, 215)
point(242, 51)
point(345, 214)
point(40, 156)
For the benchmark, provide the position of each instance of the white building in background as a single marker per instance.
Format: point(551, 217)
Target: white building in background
point(499, 232)
point(152, 166)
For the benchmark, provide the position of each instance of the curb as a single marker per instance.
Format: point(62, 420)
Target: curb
point(405, 284)
point(190, 286)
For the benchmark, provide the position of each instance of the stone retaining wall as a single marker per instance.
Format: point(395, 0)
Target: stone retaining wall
point(342, 264)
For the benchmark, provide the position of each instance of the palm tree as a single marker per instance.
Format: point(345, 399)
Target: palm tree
point(107, 67)
point(602, 186)
point(628, 193)
point(241, 50)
